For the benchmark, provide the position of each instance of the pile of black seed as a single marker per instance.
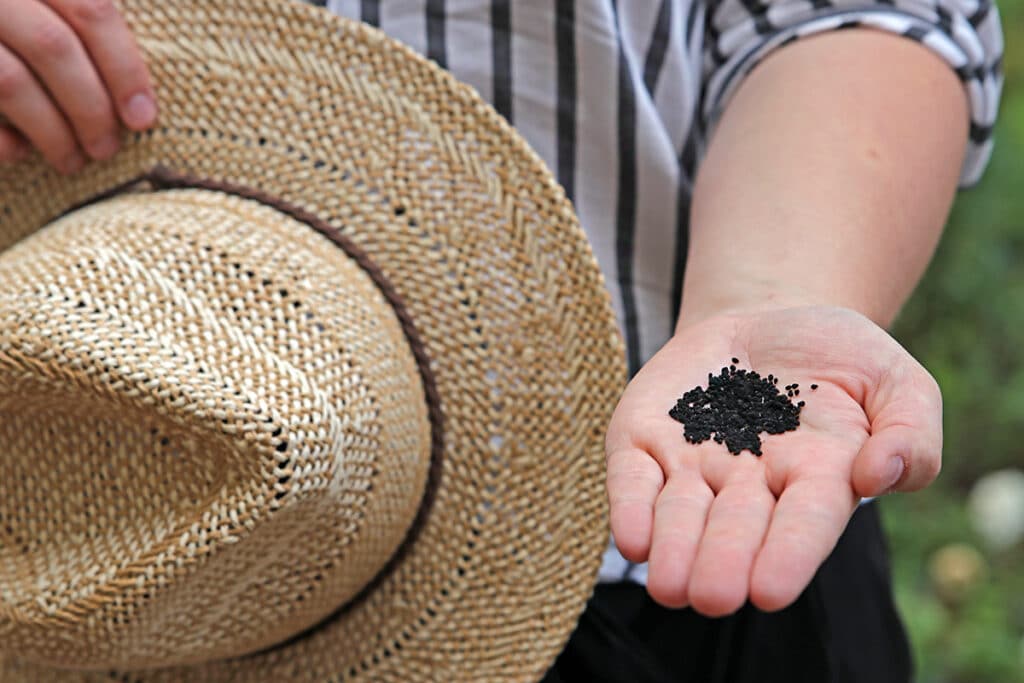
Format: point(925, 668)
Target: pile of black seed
point(736, 407)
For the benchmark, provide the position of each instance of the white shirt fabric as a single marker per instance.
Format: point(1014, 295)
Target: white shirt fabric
point(619, 97)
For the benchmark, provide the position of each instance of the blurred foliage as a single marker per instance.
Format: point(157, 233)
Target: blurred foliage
point(965, 323)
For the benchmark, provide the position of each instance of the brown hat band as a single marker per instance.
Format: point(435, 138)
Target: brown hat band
point(162, 178)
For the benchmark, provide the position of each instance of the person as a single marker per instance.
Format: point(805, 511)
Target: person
point(756, 184)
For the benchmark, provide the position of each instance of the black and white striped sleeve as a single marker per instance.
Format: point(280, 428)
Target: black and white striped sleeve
point(965, 33)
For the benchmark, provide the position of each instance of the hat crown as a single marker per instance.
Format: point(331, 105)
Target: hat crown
point(216, 428)
point(523, 360)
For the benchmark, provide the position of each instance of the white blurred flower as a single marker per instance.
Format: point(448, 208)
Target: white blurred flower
point(996, 507)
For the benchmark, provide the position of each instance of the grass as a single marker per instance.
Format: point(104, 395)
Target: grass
point(965, 323)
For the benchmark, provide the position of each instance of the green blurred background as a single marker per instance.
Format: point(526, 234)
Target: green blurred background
point(961, 595)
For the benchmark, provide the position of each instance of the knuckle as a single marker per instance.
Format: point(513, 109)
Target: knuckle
point(922, 472)
point(50, 40)
point(91, 11)
point(685, 500)
point(630, 479)
point(93, 141)
point(929, 389)
point(94, 119)
point(618, 498)
point(930, 468)
point(13, 78)
point(923, 382)
point(628, 461)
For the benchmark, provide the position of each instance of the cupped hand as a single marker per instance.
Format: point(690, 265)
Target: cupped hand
point(719, 529)
point(70, 75)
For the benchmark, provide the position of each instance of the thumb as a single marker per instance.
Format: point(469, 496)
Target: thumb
point(904, 451)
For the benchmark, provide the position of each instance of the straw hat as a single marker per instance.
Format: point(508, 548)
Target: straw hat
point(309, 383)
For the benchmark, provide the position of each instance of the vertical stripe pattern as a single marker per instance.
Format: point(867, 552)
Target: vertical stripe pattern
point(370, 12)
point(659, 46)
point(565, 86)
point(619, 98)
point(625, 216)
point(501, 61)
point(436, 48)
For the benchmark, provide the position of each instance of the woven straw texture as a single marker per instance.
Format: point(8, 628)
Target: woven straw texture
point(216, 433)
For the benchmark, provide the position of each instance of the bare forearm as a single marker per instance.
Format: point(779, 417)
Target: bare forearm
point(828, 179)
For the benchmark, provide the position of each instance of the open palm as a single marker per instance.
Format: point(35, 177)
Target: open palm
point(718, 529)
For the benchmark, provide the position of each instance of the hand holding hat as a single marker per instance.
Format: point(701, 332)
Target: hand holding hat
point(70, 75)
point(307, 383)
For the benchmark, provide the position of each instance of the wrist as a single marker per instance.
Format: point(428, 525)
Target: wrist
point(708, 293)
point(699, 304)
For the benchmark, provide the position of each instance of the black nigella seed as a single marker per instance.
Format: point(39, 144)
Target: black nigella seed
point(813, 387)
point(735, 361)
point(735, 408)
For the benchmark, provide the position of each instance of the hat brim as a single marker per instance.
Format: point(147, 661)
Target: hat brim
point(480, 242)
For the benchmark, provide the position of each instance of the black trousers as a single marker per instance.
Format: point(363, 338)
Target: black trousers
point(844, 628)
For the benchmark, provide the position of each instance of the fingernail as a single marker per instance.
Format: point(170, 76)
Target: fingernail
point(73, 162)
point(105, 147)
point(894, 472)
point(140, 111)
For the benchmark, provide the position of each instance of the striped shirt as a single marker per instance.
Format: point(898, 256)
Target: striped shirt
point(619, 97)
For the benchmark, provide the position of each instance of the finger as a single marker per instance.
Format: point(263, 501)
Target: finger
point(28, 109)
point(809, 518)
point(13, 147)
point(904, 451)
point(54, 53)
point(634, 481)
point(679, 519)
point(735, 528)
point(810, 455)
point(719, 467)
point(115, 53)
